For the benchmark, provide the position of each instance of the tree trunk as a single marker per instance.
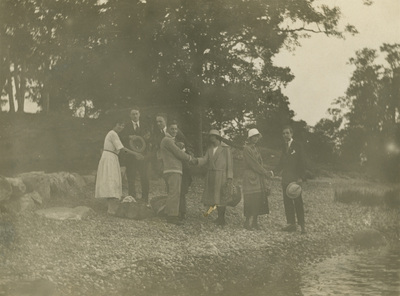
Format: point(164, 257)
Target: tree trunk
point(200, 132)
point(17, 89)
point(10, 94)
point(22, 89)
point(45, 102)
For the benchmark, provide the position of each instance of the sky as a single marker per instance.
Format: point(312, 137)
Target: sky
point(320, 64)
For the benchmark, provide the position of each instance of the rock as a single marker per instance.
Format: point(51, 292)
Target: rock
point(89, 179)
point(5, 189)
point(368, 238)
point(61, 184)
point(37, 181)
point(36, 197)
point(211, 249)
point(134, 210)
point(17, 185)
point(27, 202)
point(22, 203)
point(63, 213)
point(78, 181)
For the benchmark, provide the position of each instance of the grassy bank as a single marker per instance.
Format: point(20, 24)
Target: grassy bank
point(105, 255)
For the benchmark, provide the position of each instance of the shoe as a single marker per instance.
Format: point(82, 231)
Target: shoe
point(247, 225)
point(289, 228)
point(255, 224)
point(303, 230)
point(220, 222)
point(182, 216)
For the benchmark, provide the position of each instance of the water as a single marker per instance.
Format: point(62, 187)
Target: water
point(372, 272)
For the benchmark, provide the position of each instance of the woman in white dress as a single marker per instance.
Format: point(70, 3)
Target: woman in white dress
point(108, 180)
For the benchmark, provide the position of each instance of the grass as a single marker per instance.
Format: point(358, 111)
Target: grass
point(367, 196)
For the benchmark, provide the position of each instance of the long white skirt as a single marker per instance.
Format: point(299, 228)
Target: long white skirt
point(108, 181)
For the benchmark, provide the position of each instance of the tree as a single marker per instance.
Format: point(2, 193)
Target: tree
point(370, 108)
point(204, 53)
point(198, 56)
point(39, 36)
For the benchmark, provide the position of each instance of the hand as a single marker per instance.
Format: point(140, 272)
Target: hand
point(229, 181)
point(139, 156)
point(269, 174)
point(193, 161)
point(299, 181)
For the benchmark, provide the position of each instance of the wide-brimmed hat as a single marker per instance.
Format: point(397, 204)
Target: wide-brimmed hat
point(253, 132)
point(214, 132)
point(293, 190)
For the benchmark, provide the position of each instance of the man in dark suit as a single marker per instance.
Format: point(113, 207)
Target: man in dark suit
point(159, 132)
point(134, 166)
point(292, 166)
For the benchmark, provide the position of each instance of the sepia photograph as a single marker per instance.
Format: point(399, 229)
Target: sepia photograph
point(199, 147)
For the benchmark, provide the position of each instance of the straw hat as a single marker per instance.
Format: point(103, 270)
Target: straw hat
point(214, 132)
point(293, 190)
point(253, 132)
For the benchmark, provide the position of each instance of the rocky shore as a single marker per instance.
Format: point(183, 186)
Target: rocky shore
point(105, 255)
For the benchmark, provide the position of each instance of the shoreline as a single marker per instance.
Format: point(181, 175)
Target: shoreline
point(104, 255)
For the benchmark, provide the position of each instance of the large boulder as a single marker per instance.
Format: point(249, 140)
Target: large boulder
point(18, 186)
point(5, 189)
point(59, 184)
point(369, 238)
point(22, 203)
point(37, 181)
point(63, 213)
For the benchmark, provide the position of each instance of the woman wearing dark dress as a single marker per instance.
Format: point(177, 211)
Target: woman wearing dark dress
point(254, 182)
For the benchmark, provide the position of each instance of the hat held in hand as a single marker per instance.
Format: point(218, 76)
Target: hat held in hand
point(293, 190)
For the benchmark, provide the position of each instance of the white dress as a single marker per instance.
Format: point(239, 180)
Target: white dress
point(108, 181)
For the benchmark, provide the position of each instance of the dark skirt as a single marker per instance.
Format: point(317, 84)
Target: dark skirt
point(255, 204)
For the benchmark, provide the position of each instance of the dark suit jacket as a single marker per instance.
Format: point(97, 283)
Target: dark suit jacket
point(291, 163)
point(129, 131)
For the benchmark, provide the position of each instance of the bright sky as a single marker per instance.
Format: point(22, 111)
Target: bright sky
point(320, 65)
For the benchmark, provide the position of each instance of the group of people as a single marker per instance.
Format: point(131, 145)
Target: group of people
point(166, 151)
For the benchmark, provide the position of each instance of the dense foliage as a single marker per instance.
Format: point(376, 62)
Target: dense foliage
point(211, 60)
point(365, 123)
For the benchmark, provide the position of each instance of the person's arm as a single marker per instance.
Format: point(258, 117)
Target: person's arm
point(279, 166)
point(203, 160)
point(301, 162)
point(128, 151)
point(229, 169)
point(252, 162)
point(178, 153)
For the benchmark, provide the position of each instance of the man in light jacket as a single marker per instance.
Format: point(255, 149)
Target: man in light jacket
point(172, 157)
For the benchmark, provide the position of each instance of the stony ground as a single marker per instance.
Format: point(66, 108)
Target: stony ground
point(104, 255)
